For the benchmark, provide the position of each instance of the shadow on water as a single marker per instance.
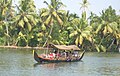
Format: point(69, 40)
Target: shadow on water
point(55, 65)
point(46, 65)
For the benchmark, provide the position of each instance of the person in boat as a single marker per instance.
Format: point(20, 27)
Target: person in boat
point(63, 54)
point(69, 56)
point(51, 55)
point(54, 55)
point(57, 54)
point(75, 53)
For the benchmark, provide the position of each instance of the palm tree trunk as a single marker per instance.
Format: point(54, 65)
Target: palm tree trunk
point(7, 32)
point(7, 38)
point(48, 36)
point(111, 44)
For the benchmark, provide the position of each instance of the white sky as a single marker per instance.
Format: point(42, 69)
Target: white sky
point(95, 6)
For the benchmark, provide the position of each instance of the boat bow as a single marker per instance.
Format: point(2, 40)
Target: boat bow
point(36, 56)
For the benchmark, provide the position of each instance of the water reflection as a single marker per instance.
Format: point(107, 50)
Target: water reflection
point(47, 65)
point(58, 69)
point(54, 65)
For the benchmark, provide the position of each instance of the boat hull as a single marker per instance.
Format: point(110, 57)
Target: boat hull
point(40, 59)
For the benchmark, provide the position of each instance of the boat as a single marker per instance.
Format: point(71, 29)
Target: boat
point(43, 58)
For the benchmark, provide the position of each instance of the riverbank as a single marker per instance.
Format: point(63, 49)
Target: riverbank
point(37, 48)
point(17, 47)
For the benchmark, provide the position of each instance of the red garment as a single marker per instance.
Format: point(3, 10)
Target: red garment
point(51, 56)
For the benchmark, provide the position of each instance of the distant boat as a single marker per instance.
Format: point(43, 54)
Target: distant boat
point(45, 58)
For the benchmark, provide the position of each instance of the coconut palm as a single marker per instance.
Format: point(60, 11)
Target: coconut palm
point(25, 19)
point(84, 7)
point(81, 30)
point(53, 12)
point(51, 15)
point(106, 29)
point(5, 17)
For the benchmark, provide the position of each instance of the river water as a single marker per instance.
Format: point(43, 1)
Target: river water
point(20, 62)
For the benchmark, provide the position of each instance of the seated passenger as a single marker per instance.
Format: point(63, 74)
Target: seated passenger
point(69, 56)
point(75, 53)
point(52, 55)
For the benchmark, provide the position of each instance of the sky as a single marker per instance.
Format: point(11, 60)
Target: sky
point(96, 6)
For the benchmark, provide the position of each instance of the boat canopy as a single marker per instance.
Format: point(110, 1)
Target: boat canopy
point(65, 47)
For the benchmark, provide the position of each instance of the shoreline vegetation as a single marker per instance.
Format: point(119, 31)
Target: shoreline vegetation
point(24, 25)
point(27, 47)
point(38, 48)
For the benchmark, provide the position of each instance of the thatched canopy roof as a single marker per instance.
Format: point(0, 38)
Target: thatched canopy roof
point(64, 47)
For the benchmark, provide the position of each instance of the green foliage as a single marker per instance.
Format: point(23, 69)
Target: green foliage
point(2, 41)
point(26, 27)
point(105, 30)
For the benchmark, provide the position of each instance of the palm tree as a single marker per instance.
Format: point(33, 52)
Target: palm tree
point(69, 21)
point(53, 12)
point(80, 29)
point(106, 29)
point(51, 15)
point(5, 11)
point(25, 19)
point(84, 7)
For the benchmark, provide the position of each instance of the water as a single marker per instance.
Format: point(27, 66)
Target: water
point(14, 62)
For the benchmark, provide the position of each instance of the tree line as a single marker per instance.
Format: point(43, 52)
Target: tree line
point(21, 25)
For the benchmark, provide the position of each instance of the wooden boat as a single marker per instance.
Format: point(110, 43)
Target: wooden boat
point(43, 59)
